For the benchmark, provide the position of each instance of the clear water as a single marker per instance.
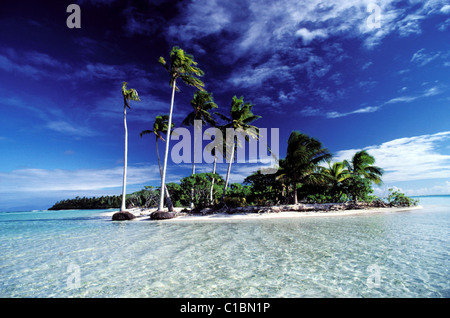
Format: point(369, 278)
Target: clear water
point(84, 254)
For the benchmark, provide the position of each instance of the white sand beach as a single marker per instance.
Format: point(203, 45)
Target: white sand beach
point(144, 214)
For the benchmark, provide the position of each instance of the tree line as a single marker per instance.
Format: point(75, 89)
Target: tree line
point(306, 175)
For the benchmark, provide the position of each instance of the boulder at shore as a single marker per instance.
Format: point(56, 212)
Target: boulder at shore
point(161, 215)
point(123, 216)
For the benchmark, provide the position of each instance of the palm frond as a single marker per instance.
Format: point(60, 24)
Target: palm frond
point(145, 132)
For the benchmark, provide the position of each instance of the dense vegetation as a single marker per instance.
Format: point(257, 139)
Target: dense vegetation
point(305, 181)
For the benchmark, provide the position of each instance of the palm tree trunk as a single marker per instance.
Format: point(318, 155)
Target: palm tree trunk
point(211, 200)
point(295, 193)
point(124, 184)
point(167, 194)
point(163, 178)
point(228, 172)
point(191, 204)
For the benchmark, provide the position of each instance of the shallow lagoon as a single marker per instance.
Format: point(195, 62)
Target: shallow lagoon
point(84, 254)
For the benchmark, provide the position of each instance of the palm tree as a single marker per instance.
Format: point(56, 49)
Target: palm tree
point(181, 66)
point(335, 174)
point(303, 155)
point(241, 117)
point(216, 149)
point(283, 177)
point(211, 190)
point(160, 126)
point(202, 103)
point(361, 165)
point(128, 95)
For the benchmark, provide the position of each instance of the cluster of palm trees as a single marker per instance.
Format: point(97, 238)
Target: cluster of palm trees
point(181, 66)
point(305, 154)
point(304, 161)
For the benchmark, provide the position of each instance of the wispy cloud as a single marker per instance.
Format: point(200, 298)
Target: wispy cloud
point(49, 117)
point(64, 127)
point(427, 93)
point(38, 65)
point(370, 109)
point(34, 64)
point(42, 180)
point(275, 43)
point(444, 25)
point(422, 58)
point(277, 22)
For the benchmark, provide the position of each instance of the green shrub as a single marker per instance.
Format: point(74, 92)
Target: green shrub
point(397, 198)
point(235, 202)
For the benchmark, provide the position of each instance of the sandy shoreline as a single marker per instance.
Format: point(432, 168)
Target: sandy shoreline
point(144, 214)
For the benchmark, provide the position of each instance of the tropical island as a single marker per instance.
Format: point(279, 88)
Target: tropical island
point(307, 179)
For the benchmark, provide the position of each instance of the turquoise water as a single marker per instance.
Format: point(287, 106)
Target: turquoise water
point(84, 254)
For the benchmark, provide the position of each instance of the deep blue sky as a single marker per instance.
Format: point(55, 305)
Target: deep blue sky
point(320, 67)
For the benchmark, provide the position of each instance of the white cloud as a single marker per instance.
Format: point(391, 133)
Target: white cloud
point(410, 25)
point(255, 76)
point(51, 115)
point(422, 58)
point(268, 41)
point(442, 188)
point(444, 25)
point(446, 9)
point(43, 180)
point(411, 158)
point(435, 90)
point(308, 36)
point(64, 127)
point(368, 109)
point(310, 111)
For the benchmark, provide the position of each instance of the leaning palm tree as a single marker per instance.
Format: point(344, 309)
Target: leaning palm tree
point(241, 116)
point(160, 126)
point(217, 149)
point(303, 155)
point(362, 165)
point(181, 66)
point(128, 95)
point(202, 103)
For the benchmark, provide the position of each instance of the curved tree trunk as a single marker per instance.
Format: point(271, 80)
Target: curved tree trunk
point(228, 172)
point(124, 184)
point(163, 179)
